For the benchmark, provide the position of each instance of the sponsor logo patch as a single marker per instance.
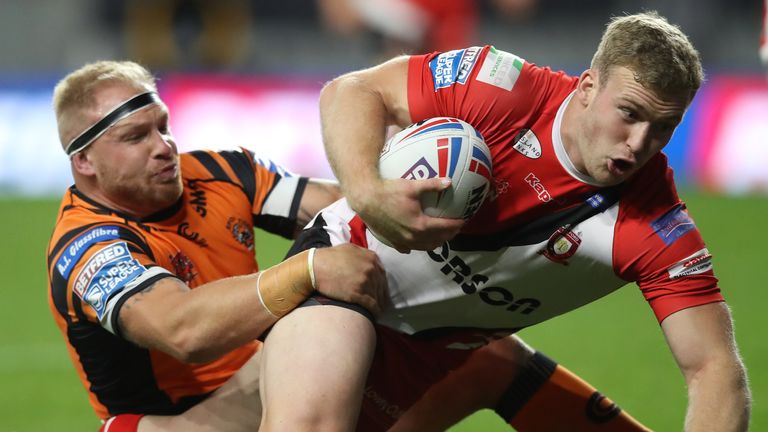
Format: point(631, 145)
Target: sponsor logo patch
point(698, 263)
point(453, 67)
point(596, 201)
point(78, 246)
point(527, 144)
point(105, 274)
point(673, 225)
point(500, 69)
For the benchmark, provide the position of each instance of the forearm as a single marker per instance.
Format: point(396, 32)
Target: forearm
point(218, 317)
point(354, 120)
point(718, 399)
point(203, 323)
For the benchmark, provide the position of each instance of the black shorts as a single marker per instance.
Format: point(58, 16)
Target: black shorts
point(315, 236)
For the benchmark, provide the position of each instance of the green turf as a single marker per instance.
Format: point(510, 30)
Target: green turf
point(615, 343)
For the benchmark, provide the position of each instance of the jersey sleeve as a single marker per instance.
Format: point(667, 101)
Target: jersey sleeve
point(274, 193)
point(495, 91)
point(280, 204)
point(658, 245)
point(96, 268)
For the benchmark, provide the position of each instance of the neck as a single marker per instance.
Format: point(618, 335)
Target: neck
point(112, 203)
point(570, 132)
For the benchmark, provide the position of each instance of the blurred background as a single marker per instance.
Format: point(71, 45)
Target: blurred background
point(248, 72)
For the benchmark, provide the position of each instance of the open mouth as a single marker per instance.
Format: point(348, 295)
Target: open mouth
point(619, 167)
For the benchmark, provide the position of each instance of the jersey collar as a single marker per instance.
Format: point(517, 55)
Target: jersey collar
point(562, 155)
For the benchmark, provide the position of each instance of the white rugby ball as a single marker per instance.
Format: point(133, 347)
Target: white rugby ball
point(442, 147)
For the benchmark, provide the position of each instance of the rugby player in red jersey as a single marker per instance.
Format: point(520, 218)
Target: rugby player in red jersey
point(585, 203)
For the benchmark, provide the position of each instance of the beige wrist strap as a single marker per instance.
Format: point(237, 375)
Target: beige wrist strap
point(284, 286)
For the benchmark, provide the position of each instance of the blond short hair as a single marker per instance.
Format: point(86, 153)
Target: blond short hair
point(75, 93)
point(657, 52)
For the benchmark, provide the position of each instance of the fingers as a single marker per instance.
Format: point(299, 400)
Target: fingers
point(354, 275)
point(434, 184)
point(432, 233)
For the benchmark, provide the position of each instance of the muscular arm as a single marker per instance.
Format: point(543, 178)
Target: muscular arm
point(201, 324)
point(355, 110)
point(195, 325)
point(702, 342)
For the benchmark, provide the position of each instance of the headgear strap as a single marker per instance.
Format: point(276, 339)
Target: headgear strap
point(122, 111)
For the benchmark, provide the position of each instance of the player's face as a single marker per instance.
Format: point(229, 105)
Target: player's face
point(136, 162)
point(623, 126)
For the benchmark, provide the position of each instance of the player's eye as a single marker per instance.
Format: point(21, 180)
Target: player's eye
point(628, 114)
point(666, 127)
point(164, 129)
point(134, 136)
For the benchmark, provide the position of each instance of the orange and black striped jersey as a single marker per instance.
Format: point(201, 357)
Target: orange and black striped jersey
point(98, 258)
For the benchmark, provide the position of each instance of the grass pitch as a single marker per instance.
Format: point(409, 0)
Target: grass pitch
point(614, 343)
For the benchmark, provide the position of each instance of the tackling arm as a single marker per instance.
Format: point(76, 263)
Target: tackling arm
point(702, 342)
point(198, 325)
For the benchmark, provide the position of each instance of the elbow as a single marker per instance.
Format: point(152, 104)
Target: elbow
point(728, 376)
point(328, 91)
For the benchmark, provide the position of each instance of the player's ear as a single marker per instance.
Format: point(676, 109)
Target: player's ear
point(587, 86)
point(82, 164)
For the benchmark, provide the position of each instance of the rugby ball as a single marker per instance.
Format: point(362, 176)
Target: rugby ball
point(442, 147)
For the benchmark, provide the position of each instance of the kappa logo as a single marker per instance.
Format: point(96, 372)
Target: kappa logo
point(527, 144)
point(561, 245)
point(500, 187)
point(541, 191)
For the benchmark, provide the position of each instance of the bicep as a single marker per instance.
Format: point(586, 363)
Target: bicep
point(389, 81)
point(140, 319)
point(700, 336)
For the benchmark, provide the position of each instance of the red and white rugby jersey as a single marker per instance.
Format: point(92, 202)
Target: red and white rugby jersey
point(98, 258)
point(550, 240)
